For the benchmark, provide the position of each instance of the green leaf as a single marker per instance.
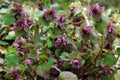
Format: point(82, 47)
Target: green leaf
point(100, 27)
point(64, 55)
point(39, 70)
point(12, 60)
point(112, 77)
point(43, 57)
point(43, 38)
point(22, 68)
point(51, 60)
point(118, 51)
point(83, 62)
point(9, 37)
point(72, 55)
point(11, 50)
point(46, 66)
point(49, 43)
point(3, 43)
point(8, 19)
point(47, 3)
point(66, 65)
point(58, 52)
point(110, 60)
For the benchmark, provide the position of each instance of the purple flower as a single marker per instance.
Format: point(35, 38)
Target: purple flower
point(112, 68)
point(58, 63)
point(22, 23)
point(70, 62)
point(61, 41)
point(29, 38)
point(15, 73)
point(19, 42)
point(87, 30)
point(100, 72)
point(59, 26)
point(18, 11)
point(14, 69)
point(90, 11)
point(61, 18)
point(23, 13)
point(45, 10)
point(21, 39)
point(96, 10)
point(38, 51)
point(75, 61)
point(102, 65)
point(16, 45)
point(110, 72)
point(111, 27)
point(27, 61)
point(50, 13)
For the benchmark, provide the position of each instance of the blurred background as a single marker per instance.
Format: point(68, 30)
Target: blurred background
point(106, 3)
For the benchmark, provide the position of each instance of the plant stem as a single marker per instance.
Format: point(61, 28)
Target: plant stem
point(101, 49)
point(97, 57)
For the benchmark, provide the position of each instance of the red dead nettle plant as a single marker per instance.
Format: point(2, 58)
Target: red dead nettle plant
point(57, 40)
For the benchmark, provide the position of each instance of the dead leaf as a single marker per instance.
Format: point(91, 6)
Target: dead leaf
point(3, 50)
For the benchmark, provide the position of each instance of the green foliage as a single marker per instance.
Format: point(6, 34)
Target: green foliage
point(43, 38)
point(118, 51)
point(110, 60)
point(8, 19)
point(64, 55)
point(22, 68)
point(11, 58)
point(100, 27)
point(110, 78)
point(49, 43)
point(3, 43)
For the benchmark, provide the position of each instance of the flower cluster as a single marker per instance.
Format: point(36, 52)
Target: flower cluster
point(59, 20)
point(19, 42)
point(111, 27)
point(17, 9)
point(110, 32)
point(87, 30)
point(76, 63)
point(57, 25)
point(61, 41)
point(96, 10)
point(38, 51)
point(73, 64)
point(27, 61)
point(50, 13)
point(15, 73)
point(22, 24)
point(106, 71)
point(19, 45)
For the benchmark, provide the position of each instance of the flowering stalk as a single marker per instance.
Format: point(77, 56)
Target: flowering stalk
point(97, 57)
